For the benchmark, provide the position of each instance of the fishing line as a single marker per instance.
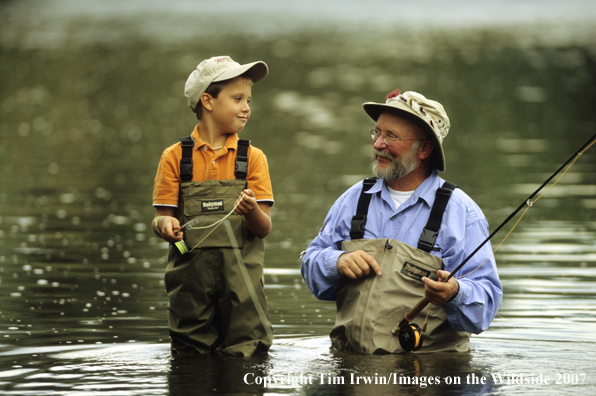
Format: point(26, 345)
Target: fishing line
point(249, 286)
point(246, 277)
point(405, 329)
point(189, 224)
point(527, 202)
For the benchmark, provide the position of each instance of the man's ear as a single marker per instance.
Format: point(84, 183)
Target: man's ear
point(425, 149)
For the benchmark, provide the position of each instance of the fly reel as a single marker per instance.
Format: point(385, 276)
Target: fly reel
point(410, 337)
point(410, 334)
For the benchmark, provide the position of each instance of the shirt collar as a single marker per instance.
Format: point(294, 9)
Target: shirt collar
point(425, 191)
point(428, 189)
point(231, 141)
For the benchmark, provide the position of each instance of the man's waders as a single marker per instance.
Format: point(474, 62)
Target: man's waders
point(210, 308)
point(369, 307)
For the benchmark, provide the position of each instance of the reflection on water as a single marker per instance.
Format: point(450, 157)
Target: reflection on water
point(300, 366)
point(87, 106)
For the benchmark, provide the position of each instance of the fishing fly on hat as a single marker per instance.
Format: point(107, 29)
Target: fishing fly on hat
point(219, 68)
point(431, 113)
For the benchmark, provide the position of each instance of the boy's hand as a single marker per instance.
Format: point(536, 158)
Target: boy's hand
point(246, 202)
point(170, 229)
point(256, 214)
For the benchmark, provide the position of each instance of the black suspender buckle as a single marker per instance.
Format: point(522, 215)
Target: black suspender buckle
point(431, 230)
point(242, 159)
point(186, 169)
point(358, 223)
point(427, 240)
point(241, 167)
point(186, 160)
point(359, 219)
point(444, 191)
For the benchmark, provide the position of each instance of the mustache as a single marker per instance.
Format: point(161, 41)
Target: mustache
point(383, 154)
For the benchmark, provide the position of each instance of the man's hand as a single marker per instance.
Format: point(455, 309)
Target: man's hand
point(357, 264)
point(439, 292)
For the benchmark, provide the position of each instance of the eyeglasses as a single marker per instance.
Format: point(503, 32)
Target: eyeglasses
point(388, 138)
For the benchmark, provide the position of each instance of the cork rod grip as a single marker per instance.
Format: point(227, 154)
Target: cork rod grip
point(411, 314)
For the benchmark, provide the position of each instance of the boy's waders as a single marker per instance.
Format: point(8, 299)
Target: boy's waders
point(210, 308)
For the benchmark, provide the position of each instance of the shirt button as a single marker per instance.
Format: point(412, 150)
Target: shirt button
point(205, 148)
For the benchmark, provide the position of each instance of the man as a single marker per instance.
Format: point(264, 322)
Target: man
point(378, 274)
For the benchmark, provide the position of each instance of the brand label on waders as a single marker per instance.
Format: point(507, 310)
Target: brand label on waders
point(211, 206)
point(413, 271)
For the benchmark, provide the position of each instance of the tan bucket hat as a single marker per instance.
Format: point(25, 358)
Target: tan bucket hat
point(219, 68)
point(431, 113)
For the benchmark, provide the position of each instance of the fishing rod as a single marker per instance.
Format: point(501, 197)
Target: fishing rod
point(410, 335)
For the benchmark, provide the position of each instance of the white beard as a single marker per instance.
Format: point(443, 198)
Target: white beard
point(400, 166)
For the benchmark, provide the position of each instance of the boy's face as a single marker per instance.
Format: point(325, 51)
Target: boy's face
point(231, 107)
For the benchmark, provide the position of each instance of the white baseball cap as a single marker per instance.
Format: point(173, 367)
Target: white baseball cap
point(431, 113)
point(219, 68)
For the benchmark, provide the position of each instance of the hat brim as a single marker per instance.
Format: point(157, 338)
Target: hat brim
point(374, 110)
point(256, 71)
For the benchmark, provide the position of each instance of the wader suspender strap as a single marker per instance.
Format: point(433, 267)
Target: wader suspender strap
point(186, 160)
point(431, 231)
point(242, 159)
point(359, 219)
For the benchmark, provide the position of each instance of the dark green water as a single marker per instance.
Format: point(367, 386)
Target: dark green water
point(88, 101)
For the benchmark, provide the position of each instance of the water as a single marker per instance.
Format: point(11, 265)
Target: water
point(91, 93)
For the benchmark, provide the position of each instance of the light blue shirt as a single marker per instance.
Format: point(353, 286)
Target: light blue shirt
point(463, 229)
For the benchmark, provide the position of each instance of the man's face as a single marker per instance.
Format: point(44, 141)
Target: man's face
point(395, 159)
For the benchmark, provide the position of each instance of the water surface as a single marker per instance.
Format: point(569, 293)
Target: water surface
point(92, 93)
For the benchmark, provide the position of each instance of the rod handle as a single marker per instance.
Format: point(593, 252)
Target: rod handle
point(416, 309)
point(411, 314)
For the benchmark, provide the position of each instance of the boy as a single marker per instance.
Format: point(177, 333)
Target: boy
point(204, 178)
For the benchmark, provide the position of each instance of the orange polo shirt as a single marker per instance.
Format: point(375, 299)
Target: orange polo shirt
point(207, 165)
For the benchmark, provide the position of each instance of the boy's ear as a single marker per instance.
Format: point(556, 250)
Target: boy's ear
point(206, 100)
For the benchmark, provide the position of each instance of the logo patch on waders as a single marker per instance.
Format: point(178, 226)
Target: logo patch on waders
point(413, 271)
point(212, 206)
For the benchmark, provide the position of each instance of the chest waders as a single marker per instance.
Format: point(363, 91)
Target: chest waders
point(368, 307)
point(210, 308)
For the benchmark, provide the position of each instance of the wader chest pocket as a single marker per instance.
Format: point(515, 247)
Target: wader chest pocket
point(208, 202)
point(415, 265)
point(208, 211)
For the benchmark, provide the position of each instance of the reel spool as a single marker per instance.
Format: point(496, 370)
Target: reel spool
point(182, 247)
point(410, 337)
